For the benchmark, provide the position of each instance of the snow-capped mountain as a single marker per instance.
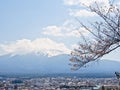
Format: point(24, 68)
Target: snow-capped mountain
point(57, 64)
point(43, 46)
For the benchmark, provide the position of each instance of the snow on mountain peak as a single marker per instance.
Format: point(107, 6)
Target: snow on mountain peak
point(38, 46)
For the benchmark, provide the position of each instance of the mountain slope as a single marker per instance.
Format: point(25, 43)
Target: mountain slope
point(58, 64)
point(34, 64)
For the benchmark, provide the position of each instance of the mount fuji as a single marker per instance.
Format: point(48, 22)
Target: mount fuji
point(57, 64)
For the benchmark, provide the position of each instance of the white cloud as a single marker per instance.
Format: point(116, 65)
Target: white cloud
point(71, 2)
point(68, 29)
point(73, 33)
point(81, 13)
point(42, 45)
point(74, 46)
point(63, 32)
point(52, 30)
point(85, 2)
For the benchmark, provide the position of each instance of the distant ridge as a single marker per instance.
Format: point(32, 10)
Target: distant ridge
point(32, 64)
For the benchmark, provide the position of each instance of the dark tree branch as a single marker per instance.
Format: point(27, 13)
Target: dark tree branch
point(106, 37)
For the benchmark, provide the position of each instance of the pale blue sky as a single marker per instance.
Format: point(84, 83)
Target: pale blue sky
point(35, 20)
point(26, 18)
